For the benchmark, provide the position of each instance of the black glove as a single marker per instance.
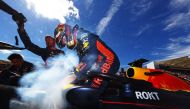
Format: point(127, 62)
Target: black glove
point(14, 80)
point(19, 18)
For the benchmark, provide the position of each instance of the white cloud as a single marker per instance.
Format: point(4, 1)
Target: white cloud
point(140, 7)
point(8, 52)
point(181, 15)
point(181, 39)
point(177, 47)
point(54, 9)
point(180, 46)
point(111, 12)
point(185, 51)
point(179, 3)
point(143, 29)
point(88, 3)
point(180, 20)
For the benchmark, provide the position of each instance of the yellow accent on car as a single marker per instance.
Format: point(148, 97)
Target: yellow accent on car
point(139, 73)
point(68, 86)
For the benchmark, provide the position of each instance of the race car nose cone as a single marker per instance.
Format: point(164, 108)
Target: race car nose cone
point(83, 97)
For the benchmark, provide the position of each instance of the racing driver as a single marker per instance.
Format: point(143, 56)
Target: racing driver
point(94, 54)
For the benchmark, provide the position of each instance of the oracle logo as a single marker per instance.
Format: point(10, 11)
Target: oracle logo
point(147, 95)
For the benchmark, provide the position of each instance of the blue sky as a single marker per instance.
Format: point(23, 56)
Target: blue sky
point(152, 29)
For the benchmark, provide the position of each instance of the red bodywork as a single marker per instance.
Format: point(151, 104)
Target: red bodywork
point(162, 80)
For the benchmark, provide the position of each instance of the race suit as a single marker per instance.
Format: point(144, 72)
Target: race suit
point(94, 55)
point(45, 53)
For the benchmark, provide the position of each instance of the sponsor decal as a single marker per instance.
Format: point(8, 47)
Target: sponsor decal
point(147, 95)
point(109, 57)
point(84, 36)
point(85, 42)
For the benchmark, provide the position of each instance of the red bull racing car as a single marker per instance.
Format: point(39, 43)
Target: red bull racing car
point(121, 93)
point(140, 88)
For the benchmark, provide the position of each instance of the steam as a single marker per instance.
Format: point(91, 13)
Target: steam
point(44, 88)
point(54, 9)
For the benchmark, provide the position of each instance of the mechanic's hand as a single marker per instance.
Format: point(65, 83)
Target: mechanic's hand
point(14, 80)
point(19, 18)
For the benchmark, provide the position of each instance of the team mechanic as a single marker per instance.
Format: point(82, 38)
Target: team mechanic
point(94, 54)
point(49, 51)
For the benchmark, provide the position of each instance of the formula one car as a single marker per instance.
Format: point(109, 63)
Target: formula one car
point(128, 93)
point(160, 79)
point(141, 88)
point(121, 93)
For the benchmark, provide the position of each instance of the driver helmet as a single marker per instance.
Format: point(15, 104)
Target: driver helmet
point(65, 36)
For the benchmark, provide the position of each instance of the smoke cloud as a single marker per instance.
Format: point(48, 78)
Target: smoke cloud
point(43, 89)
point(54, 9)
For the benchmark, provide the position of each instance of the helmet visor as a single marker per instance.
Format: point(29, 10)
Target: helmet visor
point(60, 37)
